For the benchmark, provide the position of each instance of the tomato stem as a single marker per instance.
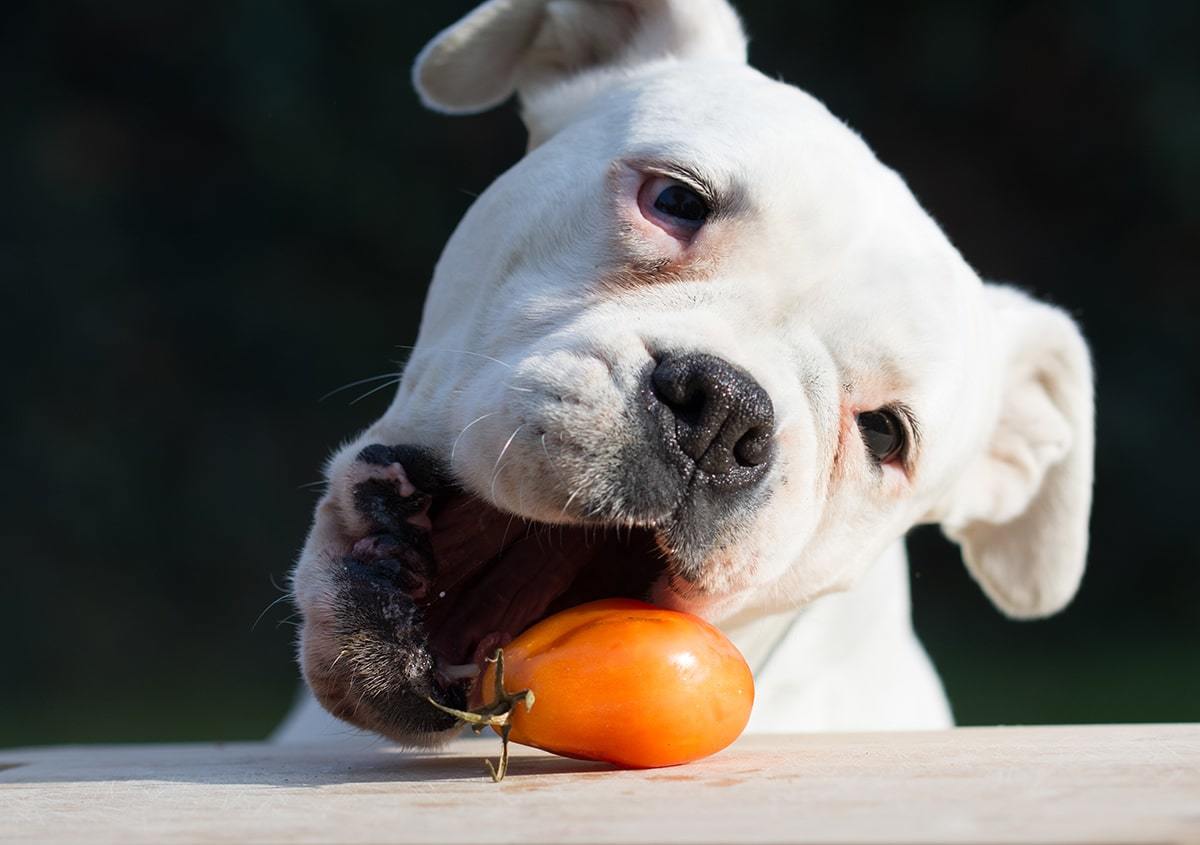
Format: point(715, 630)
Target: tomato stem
point(495, 715)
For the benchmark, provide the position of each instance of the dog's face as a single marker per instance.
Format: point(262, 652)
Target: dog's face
point(699, 345)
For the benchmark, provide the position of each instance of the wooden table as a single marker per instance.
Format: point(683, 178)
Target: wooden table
point(1128, 783)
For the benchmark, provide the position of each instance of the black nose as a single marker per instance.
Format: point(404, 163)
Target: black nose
point(718, 414)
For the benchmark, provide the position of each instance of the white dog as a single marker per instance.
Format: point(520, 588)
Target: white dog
point(700, 346)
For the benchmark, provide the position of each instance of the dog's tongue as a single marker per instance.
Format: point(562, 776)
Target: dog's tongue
point(497, 574)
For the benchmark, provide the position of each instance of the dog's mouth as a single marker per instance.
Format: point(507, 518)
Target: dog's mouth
point(438, 579)
point(496, 574)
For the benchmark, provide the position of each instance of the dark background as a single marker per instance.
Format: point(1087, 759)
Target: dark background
point(212, 214)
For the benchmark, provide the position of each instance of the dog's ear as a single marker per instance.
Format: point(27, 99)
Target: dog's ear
point(1020, 511)
point(527, 46)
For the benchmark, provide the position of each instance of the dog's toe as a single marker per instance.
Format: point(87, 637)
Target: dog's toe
point(377, 547)
point(422, 467)
point(386, 576)
point(387, 490)
point(392, 505)
point(408, 568)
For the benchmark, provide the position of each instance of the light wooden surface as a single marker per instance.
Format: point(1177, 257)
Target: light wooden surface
point(1130, 783)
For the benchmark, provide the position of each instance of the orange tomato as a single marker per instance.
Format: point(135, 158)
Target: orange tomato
point(625, 682)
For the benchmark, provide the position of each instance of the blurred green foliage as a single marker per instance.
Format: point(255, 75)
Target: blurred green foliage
point(215, 213)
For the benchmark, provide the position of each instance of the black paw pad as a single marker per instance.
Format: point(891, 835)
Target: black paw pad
point(386, 509)
point(424, 469)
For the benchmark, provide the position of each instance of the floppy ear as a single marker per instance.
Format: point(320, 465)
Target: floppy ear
point(1020, 512)
point(528, 45)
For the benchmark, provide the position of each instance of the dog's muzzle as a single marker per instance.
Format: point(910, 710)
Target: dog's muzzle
point(436, 578)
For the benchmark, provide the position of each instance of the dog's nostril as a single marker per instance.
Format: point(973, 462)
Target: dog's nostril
point(754, 449)
point(720, 417)
point(685, 398)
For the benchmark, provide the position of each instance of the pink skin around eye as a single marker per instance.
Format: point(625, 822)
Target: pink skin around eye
point(852, 448)
point(677, 229)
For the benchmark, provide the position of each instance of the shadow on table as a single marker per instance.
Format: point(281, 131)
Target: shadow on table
point(268, 766)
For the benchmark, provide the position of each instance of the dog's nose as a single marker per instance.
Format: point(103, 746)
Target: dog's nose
point(720, 416)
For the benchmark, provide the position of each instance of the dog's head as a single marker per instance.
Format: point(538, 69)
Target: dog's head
point(698, 345)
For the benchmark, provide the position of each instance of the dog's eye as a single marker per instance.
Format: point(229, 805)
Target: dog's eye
point(676, 208)
point(682, 203)
point(882, 433)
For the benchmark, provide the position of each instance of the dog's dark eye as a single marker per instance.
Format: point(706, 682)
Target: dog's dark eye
point(674, 206)
point(682, 203)
point(883, 434)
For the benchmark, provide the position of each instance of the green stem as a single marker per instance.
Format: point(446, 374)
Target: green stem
point(495, 715)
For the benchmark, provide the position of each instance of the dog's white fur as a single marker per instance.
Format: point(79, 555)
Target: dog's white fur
point(823, 278)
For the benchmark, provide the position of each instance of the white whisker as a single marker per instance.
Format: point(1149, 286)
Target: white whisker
point(570, 499)
point(415, 351)
point(551, 462)
point(368, 380)
point(464, 431)
point(500, 457)
point(383, 386)
point(504, 539)
point(284, 597)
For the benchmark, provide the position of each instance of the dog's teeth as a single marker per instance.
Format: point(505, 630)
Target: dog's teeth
point(488, 645)
point(460, 672)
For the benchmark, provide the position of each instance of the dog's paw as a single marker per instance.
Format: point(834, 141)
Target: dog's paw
point(387, 493)
point(363, 584)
